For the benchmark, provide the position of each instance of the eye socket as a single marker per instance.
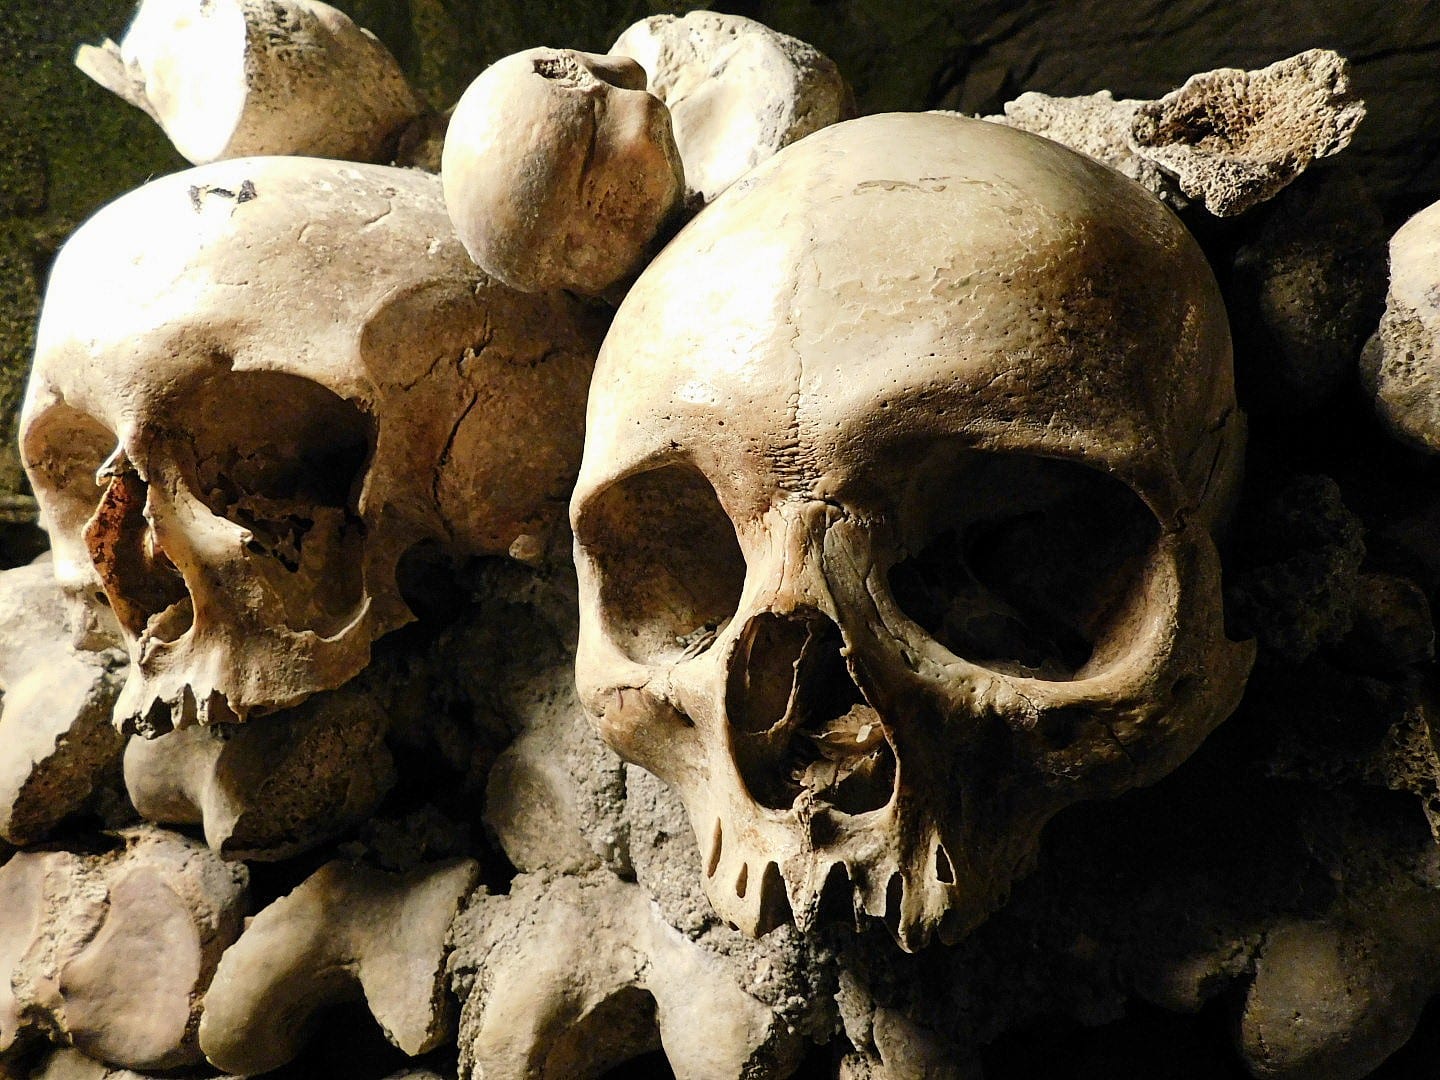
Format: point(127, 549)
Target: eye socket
point(1031, 566)
point(669, 565)
point(64, 448)
point(264, 436)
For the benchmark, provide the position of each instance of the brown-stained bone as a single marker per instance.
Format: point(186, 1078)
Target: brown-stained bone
point(348, 932)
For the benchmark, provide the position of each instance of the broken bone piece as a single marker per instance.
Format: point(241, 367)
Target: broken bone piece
point(1234, 138)
point(560, 170)
point(1400, 365)
point(257, 385)
point(570, 975)
point(232, 78)
point(347, 932)
point(83, 937)
point(737, 90)
point(1229, 139)
point(273, 787)
point(57, 744)
point(822, 626)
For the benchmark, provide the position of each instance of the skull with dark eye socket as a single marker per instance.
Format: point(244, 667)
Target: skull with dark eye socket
point(894, 521)
point(243, 414)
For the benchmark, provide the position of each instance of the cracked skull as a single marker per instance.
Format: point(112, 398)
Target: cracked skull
point(257, 385)
point(894, 524)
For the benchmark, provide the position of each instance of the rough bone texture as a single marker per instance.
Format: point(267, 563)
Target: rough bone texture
point(57, 745)
point(1401, 363)
point(737, 91)
point(82, 936)
point(232, 78)
point(561, 170)
point(1229, 139)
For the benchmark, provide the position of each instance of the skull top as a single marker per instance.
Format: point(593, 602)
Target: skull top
point(257, 385)
point(894, 520)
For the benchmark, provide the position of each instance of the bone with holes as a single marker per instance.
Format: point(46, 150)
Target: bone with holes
point(893, 542)
point(257, 385)
point(231, 78)
point(560, 170)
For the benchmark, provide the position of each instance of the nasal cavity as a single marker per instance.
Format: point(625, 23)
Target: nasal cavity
point(802, 731)
point(141, 584)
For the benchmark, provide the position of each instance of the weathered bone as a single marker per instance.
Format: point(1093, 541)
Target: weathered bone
point(112, 953)
point(348, 932)
point(737, 90)
point(1401, 363)
point(560, 170)
point(271, 788)
point(882, 564)
point(231, 78)
point(1228, 138)
point(56, 739)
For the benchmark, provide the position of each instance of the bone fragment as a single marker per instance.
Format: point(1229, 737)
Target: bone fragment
point(56, 740)
point(737, 90)
point(273, 787)
point(347, 932)
point(231, 78)
point(1229, 139)
point(1400, 365)
point(560, 170)
point(572, 975)
point(82, 942)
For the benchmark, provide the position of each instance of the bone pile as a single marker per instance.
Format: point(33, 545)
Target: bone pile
point(691, 578)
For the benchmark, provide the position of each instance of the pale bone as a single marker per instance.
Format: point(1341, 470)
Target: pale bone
point(232, 78)
point(271, 788)
point(1400, 366)
point(787, 407)
point(348, 932)
point(82, 935)
point(287, 373)
point(737, 90)
point(560, 170)
point(1228, 138)
point(56, 740)
point(578, 973)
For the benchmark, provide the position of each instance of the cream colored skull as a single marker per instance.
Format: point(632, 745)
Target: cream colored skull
point(893, 525)
point(257, 385)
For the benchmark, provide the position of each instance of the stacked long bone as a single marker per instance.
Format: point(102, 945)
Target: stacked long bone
point(249, 562)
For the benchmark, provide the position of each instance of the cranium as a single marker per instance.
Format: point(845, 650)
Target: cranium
point(894, 524)
point(285, 373)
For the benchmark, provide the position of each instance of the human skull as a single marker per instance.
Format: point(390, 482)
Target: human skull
point(283, 374)
point(894, 523)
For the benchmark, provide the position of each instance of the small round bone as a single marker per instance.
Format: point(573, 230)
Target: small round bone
point(737, 91)
point(348, 931)
point(230, 78)
point(560, 170)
